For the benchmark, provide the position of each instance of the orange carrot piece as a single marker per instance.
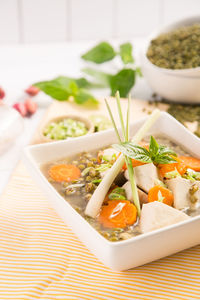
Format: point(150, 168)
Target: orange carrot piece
point(159, 191)
point(64, 172)
point(165, 168)
point(191, 162)
point(135, 163)
point(118, 214)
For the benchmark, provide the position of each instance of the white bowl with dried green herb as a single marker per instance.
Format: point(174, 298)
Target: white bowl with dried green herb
point(171, 61)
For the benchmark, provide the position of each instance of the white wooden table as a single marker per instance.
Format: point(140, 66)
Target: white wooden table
point(23, 65)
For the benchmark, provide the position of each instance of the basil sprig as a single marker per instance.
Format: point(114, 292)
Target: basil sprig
point(157, 154)
point(104, 52)
point(62, 88)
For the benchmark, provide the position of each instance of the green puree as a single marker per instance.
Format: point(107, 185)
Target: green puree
point(61, 130)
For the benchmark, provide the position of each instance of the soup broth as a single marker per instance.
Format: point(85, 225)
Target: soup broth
point(93, 167)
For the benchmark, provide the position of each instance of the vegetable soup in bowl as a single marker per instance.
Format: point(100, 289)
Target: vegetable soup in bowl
point(89, 184)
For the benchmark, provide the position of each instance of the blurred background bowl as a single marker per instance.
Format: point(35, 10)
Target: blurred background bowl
point(174, 85)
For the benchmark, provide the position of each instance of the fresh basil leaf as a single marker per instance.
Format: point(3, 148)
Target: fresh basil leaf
point(126, 53)
point(54, 90)
point(73, 88)
point(102, 78)
point(62, 87)
point(123, 81)
point(153, 147)
point(82, 83)
point(166, 150)
point(83, 96)
point(133, 151)
point(164, 159)
point(100, 53)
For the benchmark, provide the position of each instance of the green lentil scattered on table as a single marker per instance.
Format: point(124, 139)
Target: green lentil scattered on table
point(177, 49)
point(182, 112)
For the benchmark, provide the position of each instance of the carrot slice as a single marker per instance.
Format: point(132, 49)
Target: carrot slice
point(179, 166)
point(135, 163)
point(64, 172)
point(118, 214)
point(191, 162)
point(160, 193)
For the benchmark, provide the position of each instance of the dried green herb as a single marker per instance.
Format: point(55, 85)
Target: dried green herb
point(182, 112)
point(178, 49)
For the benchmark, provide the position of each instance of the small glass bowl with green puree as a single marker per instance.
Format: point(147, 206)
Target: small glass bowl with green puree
point(64, 127)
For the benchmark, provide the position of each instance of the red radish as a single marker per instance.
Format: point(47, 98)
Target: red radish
point(30, 105)
point(21, 108)
point(2, 93)
point(32, 90)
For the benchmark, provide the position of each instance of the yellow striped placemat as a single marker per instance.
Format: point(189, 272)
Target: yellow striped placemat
point(40, 258)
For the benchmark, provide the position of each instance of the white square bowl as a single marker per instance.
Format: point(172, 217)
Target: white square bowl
point(135, 251)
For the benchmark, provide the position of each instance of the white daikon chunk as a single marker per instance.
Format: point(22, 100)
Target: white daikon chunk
point(155, 215)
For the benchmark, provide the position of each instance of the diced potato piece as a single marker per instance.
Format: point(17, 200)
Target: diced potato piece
point(183, 198)
point(145, 176)
point(155, 215)
point(142, 195)
point(180, 189)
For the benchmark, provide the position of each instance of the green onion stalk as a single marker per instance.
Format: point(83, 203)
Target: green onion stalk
point(125, 132)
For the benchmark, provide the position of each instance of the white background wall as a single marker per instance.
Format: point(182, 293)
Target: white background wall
point(35, 21)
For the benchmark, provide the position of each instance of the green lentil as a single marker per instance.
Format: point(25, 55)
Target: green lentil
point(194, 188)
point(177, 49)
point(106, 234)
point(81, 166)
point(182, 112)
point(89, 187)
point(90, 164)
point(92, 172)
point(114, 239)
point(88, 178)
